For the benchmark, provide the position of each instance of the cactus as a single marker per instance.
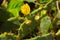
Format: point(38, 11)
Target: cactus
point(7, 36)
point(24, 28)
point(27, 27)
point(36, 23)
point(43, 37)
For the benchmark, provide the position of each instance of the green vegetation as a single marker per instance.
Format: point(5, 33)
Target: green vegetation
point(30, 20)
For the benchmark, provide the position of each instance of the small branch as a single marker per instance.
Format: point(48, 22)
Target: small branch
point(57, 4)
point(36, 3)
point(40, 8)
point(4, 3)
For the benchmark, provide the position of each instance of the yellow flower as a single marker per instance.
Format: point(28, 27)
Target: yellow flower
point(25, 9)
point(28, 21)
point(37, 17)
point(43, 11)
point(5, 33)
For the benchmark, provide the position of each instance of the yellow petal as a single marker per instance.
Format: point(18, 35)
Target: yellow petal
point(28, 21)
point(58, 33)
point(43, 11)
point(25, 9)
point(37, 17)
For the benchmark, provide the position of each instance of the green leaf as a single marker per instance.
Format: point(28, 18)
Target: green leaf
point(30, 0)
point(45, 24)
point(14, 12)
point(14, 7)
point(15, 4)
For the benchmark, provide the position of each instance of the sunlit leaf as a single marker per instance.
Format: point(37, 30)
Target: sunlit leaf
point(30, 0)
point(45, 24)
